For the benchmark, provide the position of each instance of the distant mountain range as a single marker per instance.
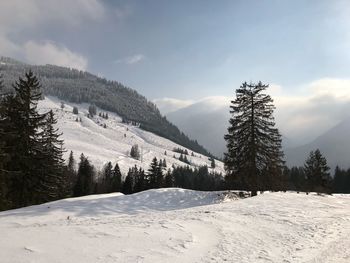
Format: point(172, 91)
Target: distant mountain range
point(207, 121)
point(83, 87)
point(334, 144)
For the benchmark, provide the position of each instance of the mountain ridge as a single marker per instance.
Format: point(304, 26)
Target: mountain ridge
point(78, 86)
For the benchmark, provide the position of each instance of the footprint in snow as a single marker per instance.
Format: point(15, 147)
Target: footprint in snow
point(29, 249)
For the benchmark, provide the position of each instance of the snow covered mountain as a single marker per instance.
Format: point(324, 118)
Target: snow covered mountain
point(103, 140)
point(334, 145)
point(83, 87)
point(177, 225)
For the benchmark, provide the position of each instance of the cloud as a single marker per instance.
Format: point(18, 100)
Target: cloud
point(36, 13)
point(137, 58)
point(17, 17)
point(167, 105)
point(49, 53)
point(325, 103)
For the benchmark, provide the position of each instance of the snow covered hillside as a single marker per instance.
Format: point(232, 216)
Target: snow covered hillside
point(114, 142)
point(176, 225)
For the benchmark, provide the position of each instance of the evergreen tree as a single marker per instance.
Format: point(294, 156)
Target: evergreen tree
point(85, 178)
point(128, 186)
point(297, 179)
point(107, 178)
point(317, 173)
point(92, 110)
point(169, 179)
point(160, 175)
point(53, 182)
point(253, 143)
point(140, 180)
point(164, 163)
point(72, 175)
point(153, 173)
point(23, 130)
point(75, 110)
point(341, 182)
point(135, 152)
point(117, 179)
point(212, 163)
point(181, 158)
point(4, 202)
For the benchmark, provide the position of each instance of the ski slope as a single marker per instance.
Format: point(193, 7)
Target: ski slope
point(114, 142)
point(176, 225)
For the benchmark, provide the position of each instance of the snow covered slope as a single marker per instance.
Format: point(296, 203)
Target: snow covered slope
point(114, 142)
point(176, 225)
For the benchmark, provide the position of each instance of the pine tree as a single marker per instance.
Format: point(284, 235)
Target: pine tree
point(53, 181)
point(117, 179)
point(253, 143)
point(23, 128)
point(135, 152)
point(153, 172)
point(128, 186)
point(169, 179)
point(4, 202)
point(85, 178)
point(140, 180)
point(212, 163)
point(341, 182)
point(72, 175)
point(92, 110)
point(160, 175)
point(164, 163)
point(317, 173)
point(107, 178)
point(75, 110)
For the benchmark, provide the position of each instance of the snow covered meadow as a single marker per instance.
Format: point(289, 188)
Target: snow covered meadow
point(177, 225)
point(114, 142)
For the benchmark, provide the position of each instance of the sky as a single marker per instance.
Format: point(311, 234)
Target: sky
point(184, 51)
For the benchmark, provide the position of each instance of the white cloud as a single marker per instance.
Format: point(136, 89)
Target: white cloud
point(17, 16)
point(137, 58)
point(20, 14)
point(167, 105)
point(50, 53)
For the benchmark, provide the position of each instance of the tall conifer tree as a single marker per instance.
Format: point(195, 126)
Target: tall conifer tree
point(24, 146)
point(253, 142)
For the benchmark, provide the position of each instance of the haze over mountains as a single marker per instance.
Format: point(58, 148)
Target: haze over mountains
point(207, 120)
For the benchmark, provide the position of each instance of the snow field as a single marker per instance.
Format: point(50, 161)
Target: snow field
point(113, 143)
point(177, 225)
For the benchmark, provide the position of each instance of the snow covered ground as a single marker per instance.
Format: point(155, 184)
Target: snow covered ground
point(114, 142)
point(176, 225)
